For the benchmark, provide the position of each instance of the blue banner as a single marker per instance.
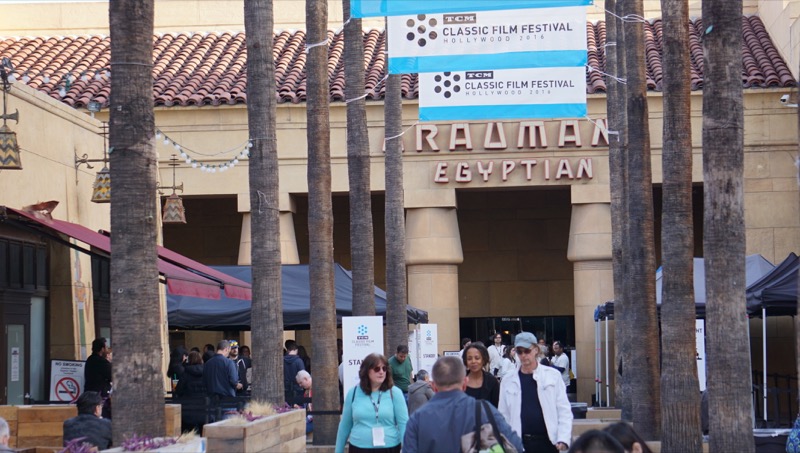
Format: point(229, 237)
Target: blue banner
point(380, 8)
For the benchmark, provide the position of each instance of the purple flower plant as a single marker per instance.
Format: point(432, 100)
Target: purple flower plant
point(144, 443)
point(78, 446)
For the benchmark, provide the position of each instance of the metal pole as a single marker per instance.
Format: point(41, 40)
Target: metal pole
point(764, 359)
point(598, 368)
point(608, 390)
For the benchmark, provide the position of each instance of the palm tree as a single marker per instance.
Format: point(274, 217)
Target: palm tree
point(362, 242)
point(617, 149)
point(136, 317)
point(680, 400)
point(320, 223)
point(729, 380)
point(394, 216)
point(642, 371)
point(267, 311)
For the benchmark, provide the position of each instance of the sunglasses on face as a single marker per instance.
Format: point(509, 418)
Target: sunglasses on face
point(378, 369)
point(523, 350)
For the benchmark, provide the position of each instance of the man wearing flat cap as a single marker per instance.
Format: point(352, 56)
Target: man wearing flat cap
point(534, 401)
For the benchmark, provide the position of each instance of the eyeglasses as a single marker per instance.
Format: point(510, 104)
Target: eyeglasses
point(378, 369)
point(523, 350)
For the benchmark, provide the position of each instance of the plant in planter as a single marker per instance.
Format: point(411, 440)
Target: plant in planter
point(78, 446)
point(260, 427)
point(188, 442)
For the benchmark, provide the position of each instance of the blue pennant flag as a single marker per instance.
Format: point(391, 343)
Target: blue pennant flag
point(380, 8)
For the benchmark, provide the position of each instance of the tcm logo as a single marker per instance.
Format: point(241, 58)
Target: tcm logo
point(480, 75)
point(447, 84)
point(458, 19)
point(362, 333)
point(428, 335)
point(422, 29)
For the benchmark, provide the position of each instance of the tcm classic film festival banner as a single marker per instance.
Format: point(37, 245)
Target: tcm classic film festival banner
point(380, 8)
point(507, 39)
point(503, 94)
point(361, 336)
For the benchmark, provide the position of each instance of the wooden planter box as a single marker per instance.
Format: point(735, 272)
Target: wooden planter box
point(281, 432)
point(43, 425)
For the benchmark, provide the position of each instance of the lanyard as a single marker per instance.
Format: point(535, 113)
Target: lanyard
point(376, 406)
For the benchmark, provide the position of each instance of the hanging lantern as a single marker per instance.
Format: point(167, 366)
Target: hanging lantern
point(9, 150)
point(173, 210)
point(101, 189)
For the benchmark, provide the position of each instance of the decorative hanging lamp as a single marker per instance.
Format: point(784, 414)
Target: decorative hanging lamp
point(9, 148)
point(101, 189)
point(174, 211)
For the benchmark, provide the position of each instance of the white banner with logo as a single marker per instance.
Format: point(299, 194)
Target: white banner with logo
point(700, 343)
point(503, 94)
point(428, 347)
point(361, 336)
point(507, 39)
point(380, 8)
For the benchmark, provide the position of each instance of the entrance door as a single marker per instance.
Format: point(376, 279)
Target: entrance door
point(15, 363)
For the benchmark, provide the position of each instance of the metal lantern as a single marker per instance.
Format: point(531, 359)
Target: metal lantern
point(9, 150)
point(101, 189)
point(173, 210)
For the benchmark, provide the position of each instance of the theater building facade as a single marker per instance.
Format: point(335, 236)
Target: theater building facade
point(507, 223)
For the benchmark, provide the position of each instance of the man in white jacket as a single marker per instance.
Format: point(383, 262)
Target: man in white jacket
point(534, 401)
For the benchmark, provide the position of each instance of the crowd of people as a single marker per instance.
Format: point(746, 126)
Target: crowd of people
point(516, 391)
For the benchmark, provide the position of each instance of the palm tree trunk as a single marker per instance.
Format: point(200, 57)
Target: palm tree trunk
point(643, 370)
point(617, 150)
point(730, 403)
point(267, 311)
point(396, 290)
point(136, 319)
point(680, 400)
point(362, 242)
point(320, 224)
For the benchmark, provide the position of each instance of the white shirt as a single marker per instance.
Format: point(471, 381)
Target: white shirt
point(496, 356)
point(562, 361)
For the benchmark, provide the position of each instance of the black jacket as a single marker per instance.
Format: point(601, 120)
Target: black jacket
point(191, 382)
point(97, 431)
point(220, 376)
point(291, 365)
point(97, 375)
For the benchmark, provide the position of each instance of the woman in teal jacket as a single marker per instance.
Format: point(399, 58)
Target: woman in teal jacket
point(375, 414)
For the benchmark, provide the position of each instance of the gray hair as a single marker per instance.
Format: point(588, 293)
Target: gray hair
point(422, 375)
point(448, 371)
point(302, 374)
point(4, 431)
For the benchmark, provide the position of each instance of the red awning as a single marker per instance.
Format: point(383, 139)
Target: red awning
point(185, 277)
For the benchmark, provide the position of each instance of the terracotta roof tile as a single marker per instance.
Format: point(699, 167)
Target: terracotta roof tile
point(210, 68)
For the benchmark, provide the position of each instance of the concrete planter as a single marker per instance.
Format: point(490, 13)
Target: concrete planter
point(197, 445)
point(284, 432)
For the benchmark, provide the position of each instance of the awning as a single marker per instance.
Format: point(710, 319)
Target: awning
point(184, 277)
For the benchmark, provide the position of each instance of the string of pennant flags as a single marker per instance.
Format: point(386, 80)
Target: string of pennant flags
point(243, 152)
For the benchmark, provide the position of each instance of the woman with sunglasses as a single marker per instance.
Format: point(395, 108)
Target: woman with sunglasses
point(481, 385)
point(375, 414)
point(534, 401)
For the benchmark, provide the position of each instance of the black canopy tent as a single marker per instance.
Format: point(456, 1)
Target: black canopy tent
point(195, 313)
point(775, 294)
point(757, 268)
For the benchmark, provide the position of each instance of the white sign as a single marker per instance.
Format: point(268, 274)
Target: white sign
point(700, 343)
point(503, 94)
point(428, 346)
point(452, 353)
point(573, 362)
point(66, 380)
point(379, 8)
point(508, 39)
point(14, 364)
point(361, 336)
point(413, 349)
